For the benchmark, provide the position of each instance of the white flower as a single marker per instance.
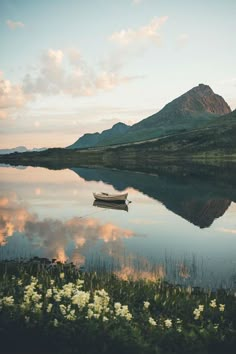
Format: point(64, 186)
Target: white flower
point(8, 301)
point(62, 275)
point(197, 313)
point(20, 282)
point(222, 307)
point(49, 308)
point(122, 311)
point(146, 304)
point(57, 297)
point(152, 321)
point(38, 307)
point(55, 323)
point(63, 309)
point(104, 319)
point(52, 282)
point(49, 293)
point(79, 283)
point(168, 323)
point(81, 298)
point(213, 303)
point(201, 308)
point(71, 316)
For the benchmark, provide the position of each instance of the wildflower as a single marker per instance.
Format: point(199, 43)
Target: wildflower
point(20, 282)
point(49, 308)
point(52, 282)
point(197, 313)
point(168, 323)
point(216, 326)
point(222, 307)
point(63, 309)
point(8, 301)
point(62, 275)
point(104, 319)
point(71, 316)
point(152, 321)
point(201, 308)
point(90, 313)
point(213, 303)
point(36, 297)
point(49, 293)
point(38, 307)
point(57, 297)
point(81, 298)
point(79, 283)
point(55, 322)
point(122, 311)
point(146, 304)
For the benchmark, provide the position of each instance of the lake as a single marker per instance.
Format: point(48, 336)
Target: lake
point(179, 227)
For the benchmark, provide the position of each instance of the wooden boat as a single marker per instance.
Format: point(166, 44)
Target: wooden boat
point(115, 198)
point(111, 205)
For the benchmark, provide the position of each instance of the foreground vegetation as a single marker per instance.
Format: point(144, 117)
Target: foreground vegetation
point(54, 308)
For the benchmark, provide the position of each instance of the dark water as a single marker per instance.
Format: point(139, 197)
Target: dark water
point(181, 227)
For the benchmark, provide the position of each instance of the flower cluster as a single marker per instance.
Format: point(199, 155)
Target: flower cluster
point(100, 305)
point(122, 311)
point(197, 312)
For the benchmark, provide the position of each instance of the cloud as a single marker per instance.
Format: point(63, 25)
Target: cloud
point(182, 40)
point(228, 231)
point(14, 24)
point(136, 2)
point(68, 73)
point(142, 35)
point(12, 96)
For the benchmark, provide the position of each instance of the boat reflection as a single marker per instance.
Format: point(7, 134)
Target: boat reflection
point(110, 205)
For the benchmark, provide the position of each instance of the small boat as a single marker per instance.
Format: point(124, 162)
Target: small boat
point(115, 198)
point(110, 205)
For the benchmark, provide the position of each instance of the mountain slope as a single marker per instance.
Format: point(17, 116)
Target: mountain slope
point(98, 139)
point(192, 110)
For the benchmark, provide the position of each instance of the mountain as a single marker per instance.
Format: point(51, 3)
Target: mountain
point(16, 149)
point(193, 110)
point(19, 149)
point(98, 139)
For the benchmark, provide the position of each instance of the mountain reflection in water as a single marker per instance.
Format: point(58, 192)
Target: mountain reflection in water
point(197, 200)
point(52, 214)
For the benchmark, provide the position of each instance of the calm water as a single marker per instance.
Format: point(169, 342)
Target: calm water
point(181, 228)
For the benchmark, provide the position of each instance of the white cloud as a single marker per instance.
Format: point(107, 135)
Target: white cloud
point(144, 34)
point(136, 2)
point(67, 73)
point(11, 97)
point(182, 40)
point(74, 56)
point(229, 231)
point(14, 24)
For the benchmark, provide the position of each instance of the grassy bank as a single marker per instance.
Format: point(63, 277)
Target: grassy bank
point(54, 308)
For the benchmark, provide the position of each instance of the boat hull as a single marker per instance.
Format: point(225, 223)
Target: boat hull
point(114, 198)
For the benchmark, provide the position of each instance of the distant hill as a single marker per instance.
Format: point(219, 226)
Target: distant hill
point(19, 149)
point(98, 139)
point(194, 109)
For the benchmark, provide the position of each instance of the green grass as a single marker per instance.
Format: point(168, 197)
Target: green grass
point(100, 313)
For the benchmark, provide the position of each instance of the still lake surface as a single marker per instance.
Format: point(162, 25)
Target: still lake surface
point(176, 228)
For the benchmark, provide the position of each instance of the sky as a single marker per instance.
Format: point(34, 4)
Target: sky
point(70, 67)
